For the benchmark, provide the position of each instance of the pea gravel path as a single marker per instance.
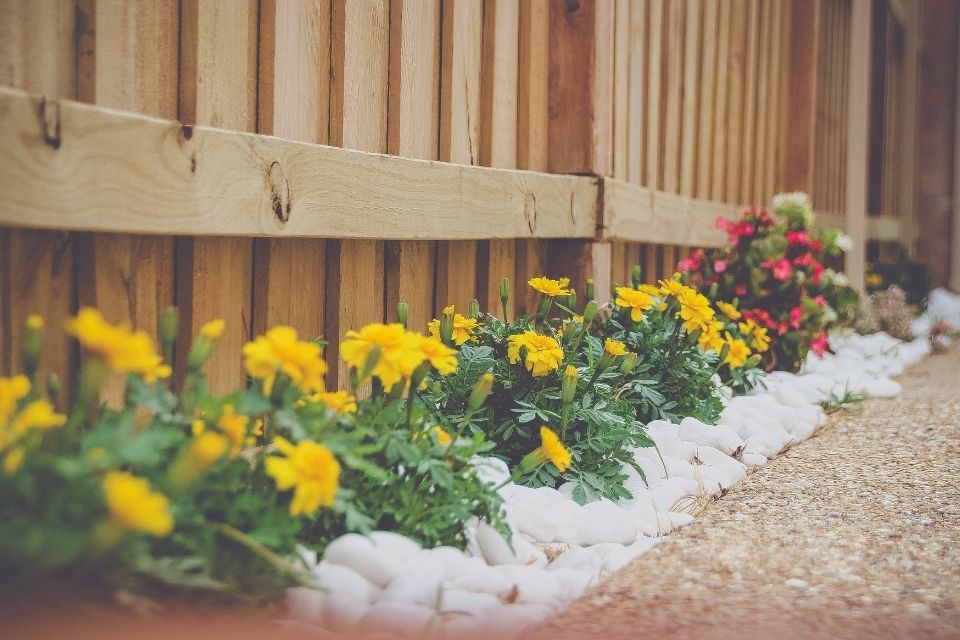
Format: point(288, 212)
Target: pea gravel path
point(853, 533)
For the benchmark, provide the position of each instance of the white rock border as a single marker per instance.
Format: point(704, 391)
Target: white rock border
point(387, 585)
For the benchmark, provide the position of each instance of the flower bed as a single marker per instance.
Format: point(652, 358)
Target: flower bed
point(473, 480)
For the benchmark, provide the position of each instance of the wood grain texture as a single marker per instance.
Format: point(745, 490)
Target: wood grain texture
point(218, 88)
point(498, 142)
point(857, 143)
point(358, 120)
point(638, 73)
point(293, 102)
point(672, 135)
point(718, 177)
point(224, 183)
point(413, 132)
point(710, 63)
point(38, 50)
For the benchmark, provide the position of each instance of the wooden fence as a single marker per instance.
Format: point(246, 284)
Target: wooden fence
point(468, 140)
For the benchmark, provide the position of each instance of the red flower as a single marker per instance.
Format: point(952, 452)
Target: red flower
point(796, 315)
point(820, 344)
point(817, 272)
point(740, 290)
point(692, 262)
point(720, 265)
point(798, 237)
point(804, 260)
point(780, 269)
point(820, 300)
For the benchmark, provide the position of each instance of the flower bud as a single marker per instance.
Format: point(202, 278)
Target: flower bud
point(53, 388)
point(474, 309)
point(590, 290)
point(504, 291)
point(481, 389)
point(572, 300)
point(92, 375)
point(724, 352)
point(403, 313)
point(568, 385)
point(418, 376)
point(202, 453)
point(752, 361)
point(168, 324)
point(570, 331)
point(589, 312)
point(373, 359)
point(199, 352)
point(31, 345)
point(629, 362)
point(446, 327)
point(636, 276)
point(714, 290)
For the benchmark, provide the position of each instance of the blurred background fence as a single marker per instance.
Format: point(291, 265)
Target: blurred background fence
point(616, 131)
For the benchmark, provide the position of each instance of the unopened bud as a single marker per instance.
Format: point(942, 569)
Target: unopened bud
point(725, 351)
point(629, 362)
point(446, 327)
point(636, 276)
point(168, 325)
point(53, 388)
point(481, 389)
point(474, 309)
point(31, 345)
point(572, 300)
point(504, 292)
point(568, 385)
point(589, 312)
point(403, 313)
point(714, 290)
point(590, 290)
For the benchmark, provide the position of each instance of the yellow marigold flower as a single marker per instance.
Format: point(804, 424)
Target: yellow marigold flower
point(35, 322)
point(874, 279)
point(213, 329)
point(440, 356)
point(310, 469)
point(649, 289)
point(549, 287)
point(125, 351)
point(711, 338)
point(337, 401)
point(12, 390)
point(761, 340)
point(234, 426)
point(553, 449)
point(207, 448)
point(671, 287)
point(38, 414)
point(281, 351)
point(614, 347)
point(728, 310)
point(443, 438)
point(13, 460)
point(695, 310)
point(134, 505)
point(738, 353)
point(400, 351)
point(636, 301)
point(543, 352)
point(463, 327)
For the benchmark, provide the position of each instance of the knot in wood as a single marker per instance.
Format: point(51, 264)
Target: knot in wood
point(279, 192)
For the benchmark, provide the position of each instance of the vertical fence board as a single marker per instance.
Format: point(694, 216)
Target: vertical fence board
point(358, 120)
point(218, 87)
point(654, 82)
point(747, 141)
point(718, 186)
point(623, 47)
point(761, 138)
point(735, 97)
point(413, 131)
point(691, 144)
point(673, 99)
point(498, 140)
point(533, 117)
point(708, 85)
point(637, 78)
point(294, 102)
point(128, 60)
point(459, 134)
point(36, 267)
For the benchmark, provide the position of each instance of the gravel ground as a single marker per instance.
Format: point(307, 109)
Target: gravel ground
point(853, 533)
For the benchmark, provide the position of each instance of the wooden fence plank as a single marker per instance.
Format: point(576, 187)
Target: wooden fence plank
point(672, 141)
point(223, 182)
point(654, 165)
point(128, 60)
point(533, 116)
point(638, 74)
point(708, 87)
point(762, 88)
point(218, 87)
point(721, 138)
point(294, 102)
point(413, 132)
point(498, 140)
point(623, 47)
point(748, 140)
point(38, 48)
point(857, 139)
point(461, 52)
point(736, 79)
point(691, 145)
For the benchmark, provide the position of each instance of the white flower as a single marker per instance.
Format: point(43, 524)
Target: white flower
point(838, 279)
point(795, 200)
point(844, 242)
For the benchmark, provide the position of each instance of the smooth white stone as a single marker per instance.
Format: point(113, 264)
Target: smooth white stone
point(753, 459)
point(674, 519)
point(667, 492)
point(479, 577)
point(573, 582)
point(513, 619)
point(533, 519)
point(398, 617)
point(882, 387)
point(580, 559)
point(491, 470)
point(344, 581)
point(677, 468)
point(463, 601)
point(496, 550)
point(666, 436)
point(419, 584)
point(398, 546)
point(343, 614)
point(603, 521)
point(534, 585)
point(359, 553)
point(719, 436)
point(648, 459)
point(616, 556)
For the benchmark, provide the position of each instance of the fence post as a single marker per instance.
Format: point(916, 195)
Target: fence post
point(857, 138)
point(804, 56)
